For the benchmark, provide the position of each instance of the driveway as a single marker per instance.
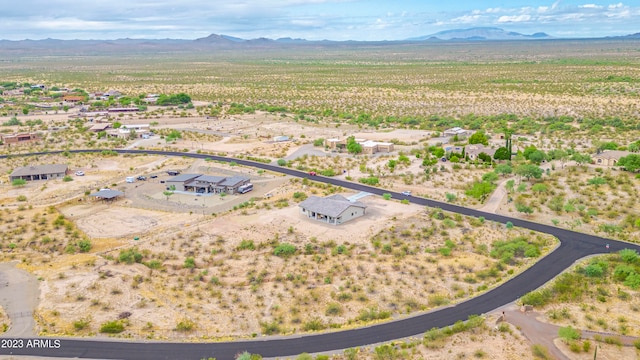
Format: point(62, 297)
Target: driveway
point(19, 293)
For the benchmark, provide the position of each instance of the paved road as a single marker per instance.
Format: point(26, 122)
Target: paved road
point(573, 246)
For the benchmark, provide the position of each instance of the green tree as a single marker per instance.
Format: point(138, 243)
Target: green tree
point(25, 110)
point(479, 138)
point(581, 158)
point(503, 169)
point(537, 156)
point(490, 177)
point(502, 154)
point(509, 185)
point(630, 162)
point(529, 171)
point(539, 188)
point(352, 145)
point(480, 190)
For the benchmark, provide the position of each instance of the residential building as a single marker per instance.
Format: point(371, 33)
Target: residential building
point(460, 132)
point(207, 184)
point(9, 139)
point(472, 151)
point(368, 146)
point(39, 172)
point(609, 157)
point(334, 209)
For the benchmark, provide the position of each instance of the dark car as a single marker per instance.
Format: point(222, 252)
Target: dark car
point(173, 172)
point(153, 176)
point(142, 178)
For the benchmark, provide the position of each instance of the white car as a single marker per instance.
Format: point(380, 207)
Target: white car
point(406, 193)
point(79, 173)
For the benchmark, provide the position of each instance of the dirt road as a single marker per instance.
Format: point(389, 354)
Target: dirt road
point(19, 292)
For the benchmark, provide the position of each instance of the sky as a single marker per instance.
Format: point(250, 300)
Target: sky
point(368, 20)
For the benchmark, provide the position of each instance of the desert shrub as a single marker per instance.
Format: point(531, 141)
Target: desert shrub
point(628, 255)
point(21, 198)
point(246, 245)
point(82, 323)
point(282, 162)
point(284, 250)
point(371, 180)
point(18, 182)
point(371, 314)
point(540, 352)
point(189, 263)
point(299, 196)
point(67, 178)
point(569, 333)
point(314, 325)
point(333, 309)
point(130, 256)
point(84, 245)
point(185, 325)
point(112, 327)
point(386, 196)
point(270, 328)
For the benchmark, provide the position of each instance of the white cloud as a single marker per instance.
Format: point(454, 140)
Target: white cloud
point(514, 18)
point(466, 19)
point(615, 6)
point(590, 6)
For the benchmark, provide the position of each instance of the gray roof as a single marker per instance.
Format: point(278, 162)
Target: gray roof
point(234, 180)
point(612, 154)
point(40, 169)
point(210, 179)
point(183, 177)
point(107, 194)
point(332, 206)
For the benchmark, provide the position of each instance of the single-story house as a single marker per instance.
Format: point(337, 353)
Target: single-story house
point(207, 184)
point(462, 133)
point(40, 172)
point(609, 157)
point(472, 151)
point(334, 209)
point(181, 180)
point(368, 146)
point(18, 138)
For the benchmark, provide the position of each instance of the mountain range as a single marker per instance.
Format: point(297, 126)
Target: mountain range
point(215, 41)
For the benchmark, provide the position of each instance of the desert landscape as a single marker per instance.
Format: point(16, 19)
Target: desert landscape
point(160, 263)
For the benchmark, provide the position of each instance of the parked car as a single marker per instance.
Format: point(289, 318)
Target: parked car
point(312, 173)
point(79, 173)
point(142, 178)
point(153, 176)
point(406, 193)
point(173, 172)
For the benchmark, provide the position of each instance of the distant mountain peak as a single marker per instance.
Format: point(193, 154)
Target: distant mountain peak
point(480, 33)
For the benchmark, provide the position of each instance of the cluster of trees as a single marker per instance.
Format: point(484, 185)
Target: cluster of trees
point(175, 99)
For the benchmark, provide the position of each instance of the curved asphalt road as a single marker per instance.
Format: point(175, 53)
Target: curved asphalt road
point(573, 246)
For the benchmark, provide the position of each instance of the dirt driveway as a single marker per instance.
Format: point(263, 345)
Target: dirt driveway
point(19, 292)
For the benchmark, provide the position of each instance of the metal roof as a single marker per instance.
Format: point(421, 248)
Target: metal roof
point(40, 169)
point(210, 179)
point(183, 177)
point(332, 206)
point(107, 194)
point(234, 180)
